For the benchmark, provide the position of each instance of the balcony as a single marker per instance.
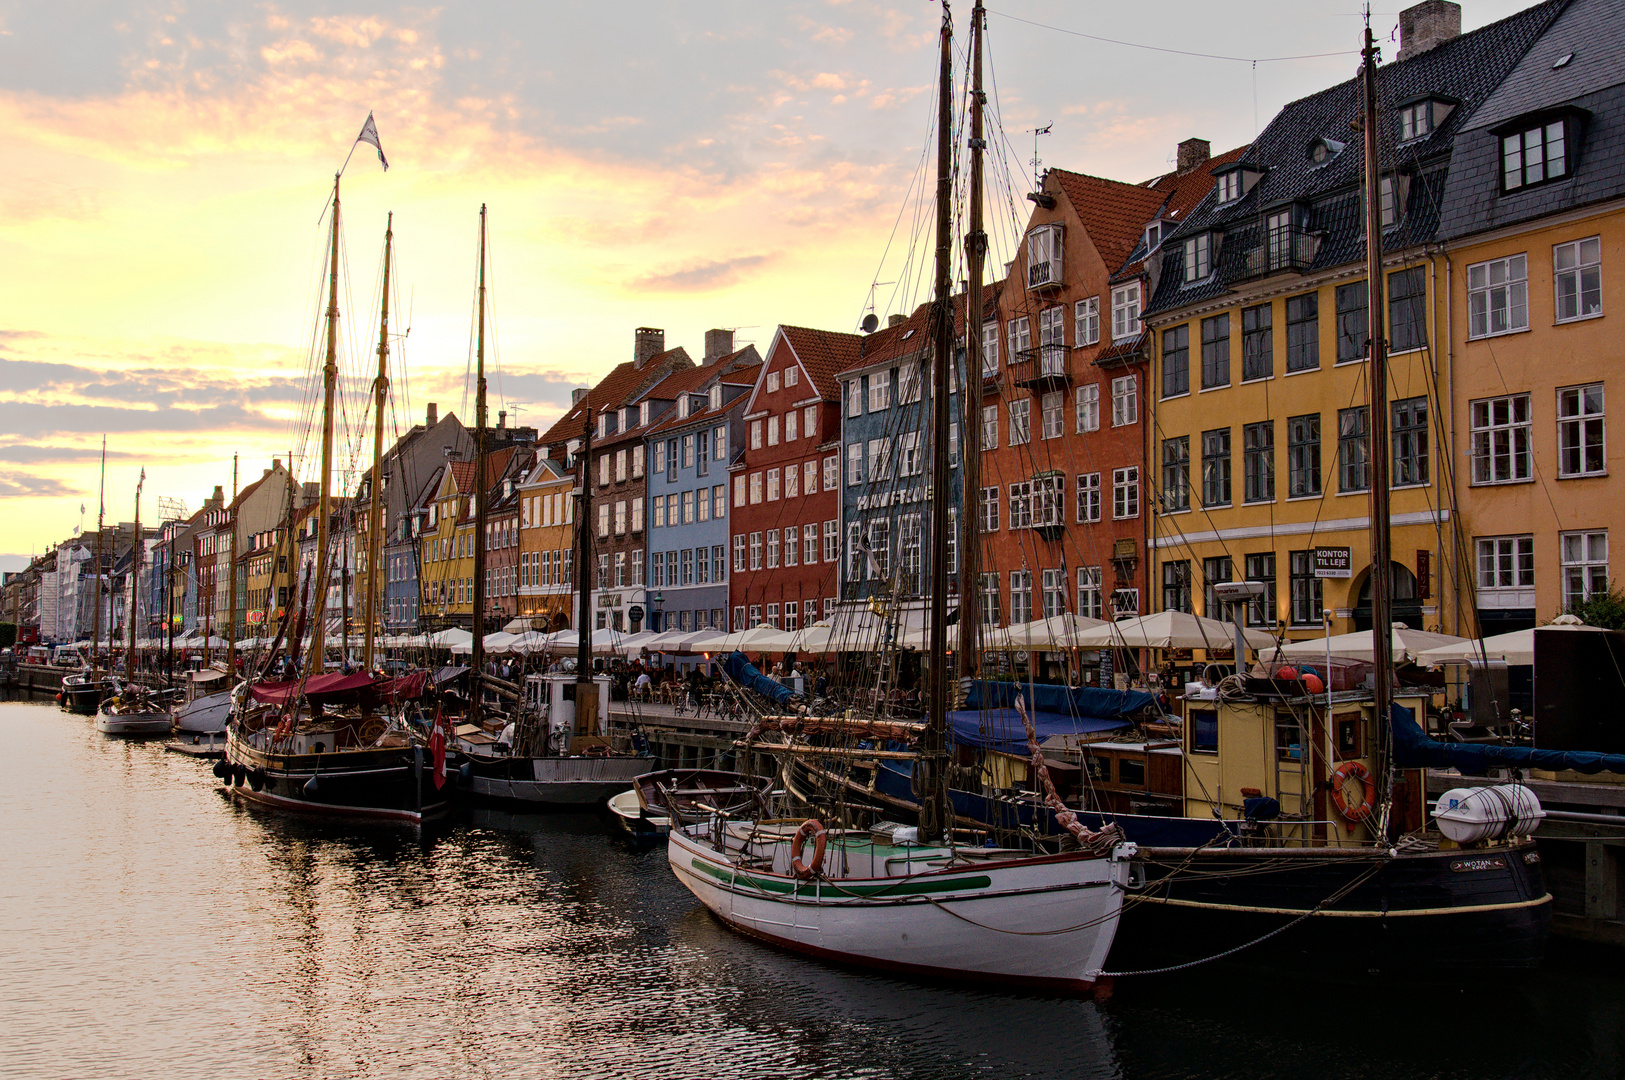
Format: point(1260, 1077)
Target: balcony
point(1044, 275)
point(1286, 247)
point(1041, 369)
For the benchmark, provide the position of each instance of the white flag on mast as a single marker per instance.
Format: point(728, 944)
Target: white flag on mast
point(369, 134)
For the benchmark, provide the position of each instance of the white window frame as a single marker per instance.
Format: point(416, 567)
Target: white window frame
point(1089, 599)
point(1498, 297)
point(1086, 408)
point(1126, 493)
point(989, 504)
point(1126, 312)
point(1125, 400)
point(854, 464)
point(1052, 414)
point(1021, 421)
point(1583, 556)
point(990, 426)
point(879, 390)
point(854, 397)
point(1572, 264)
point(1506, 564)
point(1088, 498)
point(1086, 321)
point(1019, 338)
point(1501, 447)
point(990, 348)
point(1577, 423)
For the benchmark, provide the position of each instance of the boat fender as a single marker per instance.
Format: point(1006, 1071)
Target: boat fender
point(1353, 770)
point(222, 769)
point(312, 787)
point(798, 845)
point(239, 773)
point(256, 779)
point(465, 775)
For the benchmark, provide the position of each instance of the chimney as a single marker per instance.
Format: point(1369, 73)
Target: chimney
point(276, 463)
point(219, 496)
point(893, 320)
point(1424, 25)
point(502, 419)
point(718, 343)
point(577, 394)
point(1193, 152)
point(649, 342)
point(433, 417)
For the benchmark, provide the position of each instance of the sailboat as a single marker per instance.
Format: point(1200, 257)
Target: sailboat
point(330, 743)
point(925, 901)
point(558, 752)
point(133, 709)
point(82, 693)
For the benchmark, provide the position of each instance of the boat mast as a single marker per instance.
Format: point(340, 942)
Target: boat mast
point(135, 583)
point(101, 514)
point(477, 656)
point(169, 608)
point(1382, 640)
point(970, 396)
point(584, 551)
point(324, 509)
point(933, 762)
point(380, 392)
point(231, 630)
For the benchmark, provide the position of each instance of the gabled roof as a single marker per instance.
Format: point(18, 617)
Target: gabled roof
point(745, 376)
point(1182, 192)
point(614, 390)
point(822, 354)
point(1113, 213)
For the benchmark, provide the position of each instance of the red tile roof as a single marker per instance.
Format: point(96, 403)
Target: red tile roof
point(824, 354)
point(745, 376)
point(1113, 213)
point(1184, 190)
point(612, 392)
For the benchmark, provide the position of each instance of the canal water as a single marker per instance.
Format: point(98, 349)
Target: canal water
point(151, 927)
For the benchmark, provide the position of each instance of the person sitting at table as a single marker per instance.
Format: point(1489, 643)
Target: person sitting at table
point(642, 685)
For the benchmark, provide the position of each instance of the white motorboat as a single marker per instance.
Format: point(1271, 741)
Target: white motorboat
point(208, 704)
point(637, 823)
point(132, 711)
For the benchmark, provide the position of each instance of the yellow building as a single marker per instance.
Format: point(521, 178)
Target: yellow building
point(547, 546)
point(1259, 453)
point(446, 550)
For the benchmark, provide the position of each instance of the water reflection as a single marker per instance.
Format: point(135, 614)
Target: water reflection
point(155, 926)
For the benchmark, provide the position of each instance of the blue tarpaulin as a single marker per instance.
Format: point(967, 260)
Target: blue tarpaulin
point(1082, 701)
point(1002, 729)
point(1414, 750)
point(743, 672)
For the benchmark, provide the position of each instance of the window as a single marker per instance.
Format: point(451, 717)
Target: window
point(603, 571)
point(1353, 338)
point(1126, 492)
point(756, 434)
point(772, 549)
point(792, 546)
point(1501, 431)
point(953, 445)
point(620, 466)
point(1088, 497)
point(1261, 567)
point(1053, 412)
point(1353, 449)
point(1197, 262)
point(688, 566)
point(1306, 603)
point(1577, 277)
point(1303, 332)
point(809, 543)
point(832, 541)
point(755, 551)
point(637, 516)
point(1216, 351)
point(990, 349)
point(809, 421)
point(637, 461)
point(1020, 335)
point(739, 553)
point(1498, 297)
point(1415, 120)
point(1216, 467)
point(854, 402)
point(1021, 505)
point(1176, 585)
point(1303, 455)
point(908, 454)
point(603, 471)
point(1125, 602)
point(792, 375)
point(832, 472)
point(988, 586)
point(1229, 185)
point(1021, 596)
point(990, 426)
point(1410, 441)
point(1176, 474)
point(1049, 501)
point(772, 381)
point(657, 569)
point(1176, 361)
point(772, 492)
point(879, 460)
point(908, 384)
point(1086, 321)
point(1125, 312)
point(1053, 583)
point(719, 501)
point(1585, 566)
point(1051, 341)
point(1258, 461)
point(603, 517)
point(1087, 407)
point(1215, 569)
point(854, 464)
point(659, 464)
point(772, 437)
point(1257, 342)
point(880, 546)
point(1534, 155)
point(1021, 427)
point(990, 509)
point(1580, 431)
point(739, 492)
point(1407, 315)
point(1391, 191)
point(1044, 256)
point(908, 553)
point(792, 482)
point(1281, 238)
point(791, 616)
point(1089, 592)
point(1506, 562)
point(809, 477)
point(755, 488)
point(756, 614)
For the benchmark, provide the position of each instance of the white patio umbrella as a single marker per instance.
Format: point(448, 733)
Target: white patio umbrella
point(1408, 643)
point(448, 638)
point(494, 643)
point(677, 641)
point(1042, 635)
point(632, 644)
point(606, 640)
point(1517, 647)
point(759, 638)
point(529, 642)
point(1167, 630)
point(819, 637)
point(560, 641)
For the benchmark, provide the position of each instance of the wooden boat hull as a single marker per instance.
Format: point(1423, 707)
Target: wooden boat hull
point(1042, 923)
point(390, 784)
point(638, 824)
point(552, 781)
point(133, 723)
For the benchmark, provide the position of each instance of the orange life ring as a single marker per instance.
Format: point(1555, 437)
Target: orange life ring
point(798, 844)
point(1353, 770)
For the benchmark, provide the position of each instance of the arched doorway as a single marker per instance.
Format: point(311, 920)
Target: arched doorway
point(1407, 607)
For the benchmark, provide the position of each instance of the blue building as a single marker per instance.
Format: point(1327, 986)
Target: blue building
point(689, 452)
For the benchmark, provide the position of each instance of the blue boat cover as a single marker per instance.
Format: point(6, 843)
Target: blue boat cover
point(1002, 729)
point(1083, 701)
point(1414, 750)
point(743, 672)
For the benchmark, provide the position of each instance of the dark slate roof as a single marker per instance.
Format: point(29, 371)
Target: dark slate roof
point(1466, 70)
point(1594, 81)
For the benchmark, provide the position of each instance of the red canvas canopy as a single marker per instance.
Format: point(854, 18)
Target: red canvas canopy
point(340, 689)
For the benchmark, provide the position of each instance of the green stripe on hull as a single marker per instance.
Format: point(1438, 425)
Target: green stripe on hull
point(902, 887)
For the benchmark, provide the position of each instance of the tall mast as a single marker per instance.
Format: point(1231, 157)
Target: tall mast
point(477, 657)
point(330, 379)
point(584, 565)
point(169, 608)
point(231, 544)
point(1382, 640)
point(970, 395)
point(134, 590)
point(96, 617)
point(380, 394)
point(934, 819)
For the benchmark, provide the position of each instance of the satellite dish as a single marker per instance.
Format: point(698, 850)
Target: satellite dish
point(871, 322)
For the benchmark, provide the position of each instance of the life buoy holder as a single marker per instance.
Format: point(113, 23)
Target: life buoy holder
point(798, 846)
point(1353, 770)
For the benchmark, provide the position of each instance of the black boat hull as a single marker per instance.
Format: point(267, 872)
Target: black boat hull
point(389, 785)
point(84, 699)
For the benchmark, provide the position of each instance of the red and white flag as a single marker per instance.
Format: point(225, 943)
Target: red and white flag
point(437, 747)
point(369, 134)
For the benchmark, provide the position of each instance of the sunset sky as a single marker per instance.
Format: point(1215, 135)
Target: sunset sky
point(681, 165)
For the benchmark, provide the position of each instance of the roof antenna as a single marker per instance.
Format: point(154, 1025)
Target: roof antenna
point(871, 321)
point(1037, 162)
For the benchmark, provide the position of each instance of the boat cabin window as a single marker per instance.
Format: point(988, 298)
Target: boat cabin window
point(1100, 769)
point(1288, 737)
point(1204, 731)
point(1348, 736)
point(1131, 771)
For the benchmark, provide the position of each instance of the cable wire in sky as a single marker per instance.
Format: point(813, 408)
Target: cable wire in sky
point(1175, 52)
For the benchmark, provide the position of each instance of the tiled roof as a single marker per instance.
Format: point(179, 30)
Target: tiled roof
point(824, 353)
point(1466, 69)
point(745, 376)
point(613, 390)
point(1182, 192)
point(1114, 213)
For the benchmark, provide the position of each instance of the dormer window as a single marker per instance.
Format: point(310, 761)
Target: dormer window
point(1536, 149)
point(1199, 257)
point(1044, 257)
point(1153, 236)
point(1420, 118)
point(716, 396)
point(603, 425)
point(626, 418)
point(1392, 190)
point(1229, 185)
point(1323, 150)
point(682, 407)
point(643, 411)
